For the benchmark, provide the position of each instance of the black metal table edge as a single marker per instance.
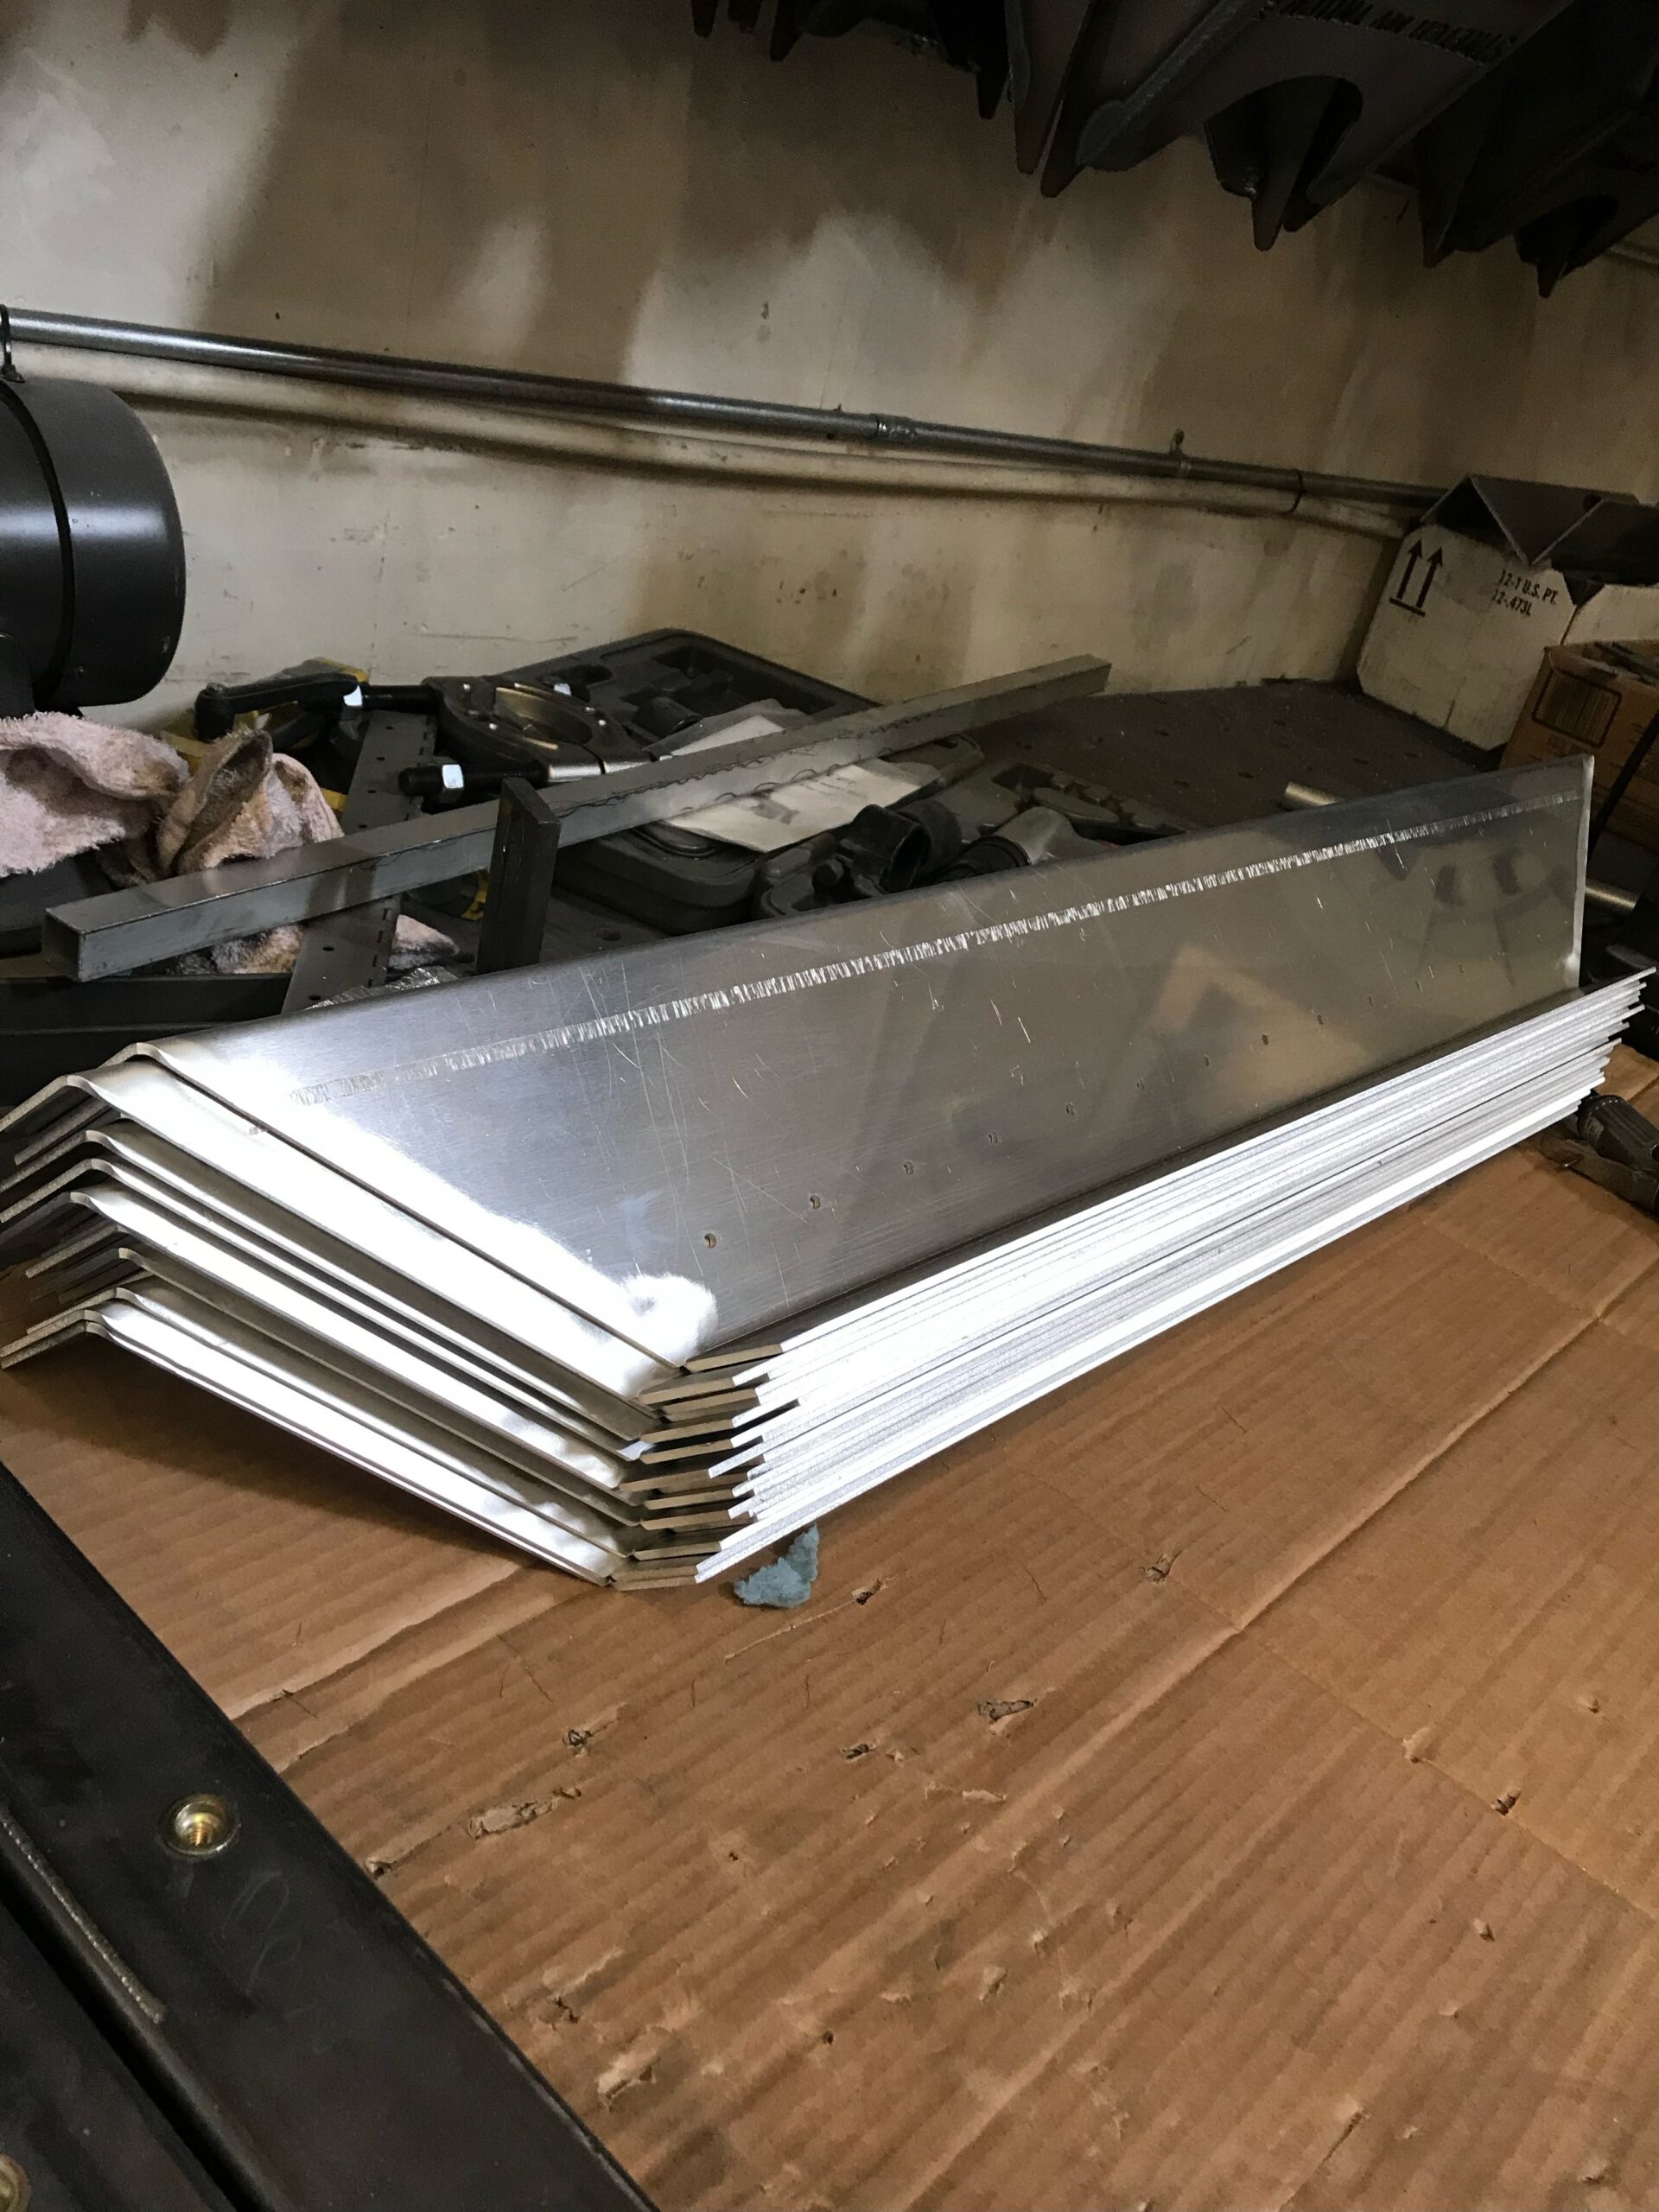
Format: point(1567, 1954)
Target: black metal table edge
point(309, 2046)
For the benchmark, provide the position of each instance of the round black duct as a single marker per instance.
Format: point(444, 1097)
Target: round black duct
point(92, 555)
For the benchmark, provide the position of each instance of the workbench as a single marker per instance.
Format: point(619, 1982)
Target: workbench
point(1290, 1839)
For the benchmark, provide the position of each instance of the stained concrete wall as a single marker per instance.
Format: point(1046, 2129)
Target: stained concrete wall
point(583, 186)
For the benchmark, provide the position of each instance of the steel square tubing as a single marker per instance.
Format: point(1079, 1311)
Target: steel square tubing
point(120, 930)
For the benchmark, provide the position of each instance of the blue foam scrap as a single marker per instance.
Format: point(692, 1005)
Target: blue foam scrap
point(786, 1580)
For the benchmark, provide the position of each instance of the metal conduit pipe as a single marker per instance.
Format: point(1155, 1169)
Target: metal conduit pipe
point(644, 406)
point(594, 442)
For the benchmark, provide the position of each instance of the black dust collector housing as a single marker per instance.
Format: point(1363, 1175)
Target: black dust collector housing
point(92, 555)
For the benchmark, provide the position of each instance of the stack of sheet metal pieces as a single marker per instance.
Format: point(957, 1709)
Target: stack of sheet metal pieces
point(646, 1262)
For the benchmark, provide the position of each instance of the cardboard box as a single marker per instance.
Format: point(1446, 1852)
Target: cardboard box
point(1498, 570)
point(1274, 1821)
point(1583, 701)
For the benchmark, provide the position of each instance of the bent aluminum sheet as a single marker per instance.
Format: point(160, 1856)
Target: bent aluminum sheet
point(1025, 1363)
point(1336, 1206)
point(686, 1142)
point(891, 1323)
point(1031, 1309)
point(1130, 1241)
point(174, 1332)
point(152, 1237)
point(596, 1370)
point(130, 1158)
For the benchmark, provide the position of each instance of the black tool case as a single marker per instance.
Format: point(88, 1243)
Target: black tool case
point(655, 685)
point(663, 681)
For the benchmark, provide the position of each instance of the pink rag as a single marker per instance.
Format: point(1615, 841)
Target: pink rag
point(67, 785)
point(70, 786)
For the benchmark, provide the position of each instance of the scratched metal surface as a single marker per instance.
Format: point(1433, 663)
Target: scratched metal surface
point(687, 1141)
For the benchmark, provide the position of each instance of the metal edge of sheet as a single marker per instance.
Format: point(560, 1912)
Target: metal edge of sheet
point(902, 1335)
point(1165, 1285)
point(145, 1217)
point(473, 1446)
point(1034, 1313)
point(216, 1204)
point(1491, 1044)
point(848, 1383)
point(230, 1324)
point(255, 1376)
point(804, 1509)
point(367, 1292)
point(467, 1415)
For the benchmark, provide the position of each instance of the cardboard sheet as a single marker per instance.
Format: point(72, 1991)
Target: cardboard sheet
point(1290, 1839)
point(1582, 702)
point(1496, 572)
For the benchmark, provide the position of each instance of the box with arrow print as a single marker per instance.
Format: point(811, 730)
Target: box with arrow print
point(1497, 571)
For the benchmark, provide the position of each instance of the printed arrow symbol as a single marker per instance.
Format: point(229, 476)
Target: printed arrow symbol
point(1413, 554)
point(1431, 569)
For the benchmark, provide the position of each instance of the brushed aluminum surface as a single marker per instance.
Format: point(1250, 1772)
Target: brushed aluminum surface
point(156, 1240)
point(592, 1370)
point(896, 1321)
point(870, 1447)
point(863, 1391)
point(125, 1157)
point(685, 1143)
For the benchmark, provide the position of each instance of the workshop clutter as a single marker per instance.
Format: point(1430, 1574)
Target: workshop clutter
point(1534, 119)
point(646, 1262)
point(69, 787)
point(676, 783)
point(1496, 570)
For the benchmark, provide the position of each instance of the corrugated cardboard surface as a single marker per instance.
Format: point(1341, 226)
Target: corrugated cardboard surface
point(1580, 704)
point(1231, 1782)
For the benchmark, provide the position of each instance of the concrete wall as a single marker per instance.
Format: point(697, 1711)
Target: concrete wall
point(583, 186)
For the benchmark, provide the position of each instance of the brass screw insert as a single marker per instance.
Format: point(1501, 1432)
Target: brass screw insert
point(199, 1826)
